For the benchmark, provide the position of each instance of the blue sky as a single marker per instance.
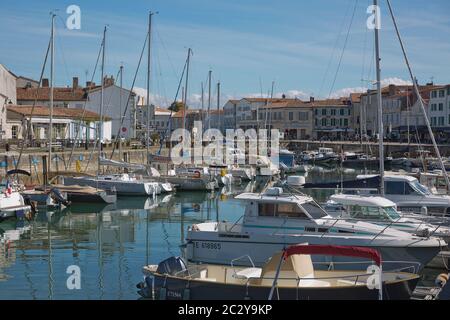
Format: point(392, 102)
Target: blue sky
point(248, 44)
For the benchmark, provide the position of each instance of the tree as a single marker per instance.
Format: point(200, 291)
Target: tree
point(176, 106)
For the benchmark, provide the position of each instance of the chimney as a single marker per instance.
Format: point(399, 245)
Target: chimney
point(45, 83)
point(108, 81)
point(311, 99)
point(392, 89)
point(75, 83)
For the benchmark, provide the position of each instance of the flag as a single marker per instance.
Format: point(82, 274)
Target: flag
point(8, 190)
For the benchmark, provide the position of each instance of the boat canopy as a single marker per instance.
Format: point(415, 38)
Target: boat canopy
point(372, 182)
point(357, 252)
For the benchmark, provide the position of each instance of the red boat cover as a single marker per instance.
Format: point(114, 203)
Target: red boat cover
point(358, 252)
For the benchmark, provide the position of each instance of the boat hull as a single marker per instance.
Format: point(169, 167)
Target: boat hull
point(212, 247)
point(123, 188)
point(172, 288)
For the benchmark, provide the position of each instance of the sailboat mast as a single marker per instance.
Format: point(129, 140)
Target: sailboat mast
point(52, 64)
point(209, 99)
point(120, 104)
point(148, 82)
point(186, 88)
point(379, 101)
point(218, 106)
point(100, 127)
point(203, 101)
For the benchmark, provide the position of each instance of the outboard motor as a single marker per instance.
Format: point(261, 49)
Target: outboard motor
point(173, 266)
point(58, 197)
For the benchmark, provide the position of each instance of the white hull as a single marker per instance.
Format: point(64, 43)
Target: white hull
point(124, 188)
point(210, 247)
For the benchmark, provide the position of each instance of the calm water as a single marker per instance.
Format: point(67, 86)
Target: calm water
point(109, 244)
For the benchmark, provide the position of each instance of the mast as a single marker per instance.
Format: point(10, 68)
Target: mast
point(102, 93)
point(120, 104)
point(202, 100)
point(209, 98)
point(186, 88)
point(379, 101)
point(148, 82)
point(52, 64)
point(218, 105)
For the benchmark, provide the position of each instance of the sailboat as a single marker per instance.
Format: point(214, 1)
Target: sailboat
point(122, 184)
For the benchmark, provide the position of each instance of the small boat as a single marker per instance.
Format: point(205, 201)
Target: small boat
point(288, 275)
point(383, 212)
point(87, 194)
point(49, 197)
point(124, 184)
point(13, 205)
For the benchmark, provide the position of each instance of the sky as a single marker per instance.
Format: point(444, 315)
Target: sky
point(318, 48)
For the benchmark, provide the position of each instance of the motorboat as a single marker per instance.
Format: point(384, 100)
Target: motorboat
point(274, 220)
point(383, 212)
point(287, 275)
point(13, 206)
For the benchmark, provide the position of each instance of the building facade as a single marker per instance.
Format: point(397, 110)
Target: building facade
point(7, 96)
point(332, 118)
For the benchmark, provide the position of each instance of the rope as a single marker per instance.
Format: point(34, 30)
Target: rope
point(343, 49)
point(416, 88)
point(33, 107)
point(129, 95)
point(84, 109)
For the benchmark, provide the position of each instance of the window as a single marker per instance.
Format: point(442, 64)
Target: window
point(316, 112)
point(341, 112)
point(324, 122)
point(434, 94)
point(433, 107)
point(314, 210)
point(290, 210)
point(14, 132)
point(303, 116)
point(340, 122)
point(346, 122)
point(441, 106)
point(441, 93)
point(441, 121)
point(395, 187)
point(291, 116)
point(324, 112)
point(333, 112)
point(266, 209)
point(333, 122)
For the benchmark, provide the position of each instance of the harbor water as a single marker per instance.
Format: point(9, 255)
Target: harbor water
point(111, 244)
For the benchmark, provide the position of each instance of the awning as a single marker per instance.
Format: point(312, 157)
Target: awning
point(357, 252)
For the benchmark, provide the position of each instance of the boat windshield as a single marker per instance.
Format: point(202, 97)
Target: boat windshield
point(421, 188)
point(373, 213)
point(314, 210)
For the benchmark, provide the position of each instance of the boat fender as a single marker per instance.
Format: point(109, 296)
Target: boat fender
point(187, 292)
point(195, 228)
point(441, 280)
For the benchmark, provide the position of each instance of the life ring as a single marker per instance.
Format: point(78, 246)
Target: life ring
point(197, 174)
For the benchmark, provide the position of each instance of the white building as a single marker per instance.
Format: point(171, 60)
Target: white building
point(7, 96)
point(114, 107)
point(439, 107)
point(159, 121)
point(68, 124)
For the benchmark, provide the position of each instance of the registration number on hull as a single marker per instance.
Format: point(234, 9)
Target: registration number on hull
point(207, 245)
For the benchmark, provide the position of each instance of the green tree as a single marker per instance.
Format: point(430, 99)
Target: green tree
point(176, 106)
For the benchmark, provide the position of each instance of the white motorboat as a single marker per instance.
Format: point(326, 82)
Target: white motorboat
point(411, 196)
point(274, 220)
point(383, 212)
point(124, 184)
point(265, 167)
point(12, 205)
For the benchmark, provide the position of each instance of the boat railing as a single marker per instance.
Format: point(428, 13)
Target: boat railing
point(241, 258)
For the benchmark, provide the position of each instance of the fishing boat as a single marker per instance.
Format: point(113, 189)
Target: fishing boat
point(287, 275)
point(383, 212)
point(273, 220)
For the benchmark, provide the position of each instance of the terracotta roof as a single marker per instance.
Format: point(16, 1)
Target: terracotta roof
point(43, 94)
point(287, 104)
point(268, 100)
point(71, 113)
point(329, 102)
point(216, 111)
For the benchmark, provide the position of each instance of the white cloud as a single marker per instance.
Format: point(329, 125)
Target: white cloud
point(345, 92)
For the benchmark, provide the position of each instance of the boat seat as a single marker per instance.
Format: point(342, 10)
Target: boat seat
point(248, 273)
